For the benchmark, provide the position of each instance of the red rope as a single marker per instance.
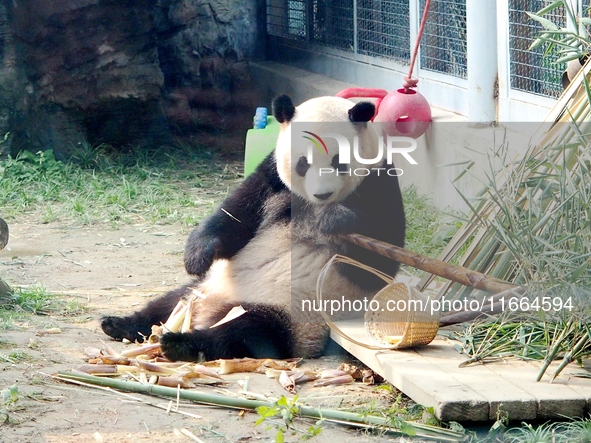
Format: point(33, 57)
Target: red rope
point(410, 82)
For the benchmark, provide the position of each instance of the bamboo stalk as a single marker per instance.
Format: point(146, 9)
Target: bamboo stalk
point(452, 272)
point(422, 431)
point(571, 355)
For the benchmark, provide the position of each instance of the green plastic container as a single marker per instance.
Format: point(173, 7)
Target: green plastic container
point(259, 144)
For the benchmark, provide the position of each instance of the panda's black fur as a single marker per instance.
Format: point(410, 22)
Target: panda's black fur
point(264, 223)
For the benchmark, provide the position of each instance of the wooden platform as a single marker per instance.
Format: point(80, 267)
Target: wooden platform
point(430, 376)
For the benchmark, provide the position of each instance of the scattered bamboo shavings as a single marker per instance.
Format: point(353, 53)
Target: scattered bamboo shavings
point(352, 370)
point(110, 360)
point(233, 314)
point(230, 215)
point(369, 377)
point(204, 370)
point(191, 435)
point(287, 382)
point(49, 331)
point(150, 349)
point(255, 365)
point(108, 370)
point(92, 352)
point(109, 349)
point(174, 382)
point(155, 367)
point(340, 380)
point(332, 373)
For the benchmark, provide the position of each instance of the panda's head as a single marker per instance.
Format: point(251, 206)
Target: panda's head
point(321, 177)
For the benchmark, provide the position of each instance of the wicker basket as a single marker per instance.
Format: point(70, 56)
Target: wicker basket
point(390, 328)
point(413, 325)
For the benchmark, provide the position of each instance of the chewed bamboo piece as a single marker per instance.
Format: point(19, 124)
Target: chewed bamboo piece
point(145, 362)
point(148, 367)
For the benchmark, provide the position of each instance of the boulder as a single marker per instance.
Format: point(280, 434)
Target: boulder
point(123, 72)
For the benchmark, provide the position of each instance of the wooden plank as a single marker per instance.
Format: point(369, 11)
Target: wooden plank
point(431, 376)
point(499, 391)
point(418, 378)
point(555, 400)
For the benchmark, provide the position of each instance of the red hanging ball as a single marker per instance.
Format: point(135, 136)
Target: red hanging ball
point(404, 112)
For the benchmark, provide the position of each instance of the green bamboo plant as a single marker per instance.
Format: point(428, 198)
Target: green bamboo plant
point(531, 225)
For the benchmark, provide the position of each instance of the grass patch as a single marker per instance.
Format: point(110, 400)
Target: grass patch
point(22, 303)
point(428, 229)
point(15, 357)
point(156, 187)
point(115, 188)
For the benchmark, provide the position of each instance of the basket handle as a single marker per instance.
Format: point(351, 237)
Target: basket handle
point(320, 283)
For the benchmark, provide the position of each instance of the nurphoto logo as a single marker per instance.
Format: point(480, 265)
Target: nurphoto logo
point(388, 146)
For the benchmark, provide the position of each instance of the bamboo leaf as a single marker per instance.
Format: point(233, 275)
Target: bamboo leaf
point(567, 58)
point(551, 7)
point(547, 24)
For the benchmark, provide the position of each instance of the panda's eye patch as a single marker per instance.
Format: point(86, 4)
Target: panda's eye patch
point(302, 166)
point(338, 166)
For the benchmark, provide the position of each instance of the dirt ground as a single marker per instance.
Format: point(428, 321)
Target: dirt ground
point(112, 271)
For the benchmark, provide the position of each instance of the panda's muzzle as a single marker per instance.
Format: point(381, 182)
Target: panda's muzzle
point(324, 196)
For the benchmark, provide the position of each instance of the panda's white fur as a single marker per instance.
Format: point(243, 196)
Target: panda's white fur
point(279, 266)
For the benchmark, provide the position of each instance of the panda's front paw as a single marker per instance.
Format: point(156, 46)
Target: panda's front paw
point(182, 346)
point(335, 219)
point(200, 254)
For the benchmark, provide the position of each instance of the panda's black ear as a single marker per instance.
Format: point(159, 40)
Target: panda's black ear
point(362, 112)
point(283, 108)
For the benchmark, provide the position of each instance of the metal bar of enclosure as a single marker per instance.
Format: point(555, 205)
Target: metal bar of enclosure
point(355, 29)
point(481, 18)
point(414, 14)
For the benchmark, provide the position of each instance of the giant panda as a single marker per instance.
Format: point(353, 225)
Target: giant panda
point(265, 245)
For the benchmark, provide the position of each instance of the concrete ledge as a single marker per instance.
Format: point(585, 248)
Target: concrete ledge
point(272, 79)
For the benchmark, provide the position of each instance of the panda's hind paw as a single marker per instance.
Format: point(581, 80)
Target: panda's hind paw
point(179, 346)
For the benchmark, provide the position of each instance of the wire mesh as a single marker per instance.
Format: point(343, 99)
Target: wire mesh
point(383, 29)
point(287, 18)
point(333, 23)
point(443, 45)
point(531, 70)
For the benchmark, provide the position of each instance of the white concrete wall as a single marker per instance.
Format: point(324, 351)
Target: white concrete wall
point(451, 138)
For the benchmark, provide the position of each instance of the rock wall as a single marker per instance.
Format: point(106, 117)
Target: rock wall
point(123, 72)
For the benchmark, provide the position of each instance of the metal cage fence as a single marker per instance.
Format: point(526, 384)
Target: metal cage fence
point(383, 29)
point(287, 18)
point(333, 24)
point(444, 43)
point(532, 71)
point(377, 28)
